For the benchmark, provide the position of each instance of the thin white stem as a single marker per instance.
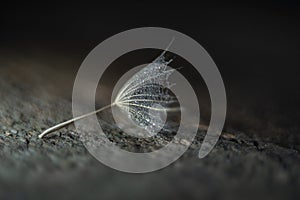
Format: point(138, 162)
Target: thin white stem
point(63, 124)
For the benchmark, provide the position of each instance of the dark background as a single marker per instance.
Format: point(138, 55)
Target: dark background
point(256, 48)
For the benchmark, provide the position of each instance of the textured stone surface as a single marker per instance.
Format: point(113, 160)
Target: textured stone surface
point(59, 167)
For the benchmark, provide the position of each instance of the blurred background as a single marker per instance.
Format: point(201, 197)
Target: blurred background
point(255, 46)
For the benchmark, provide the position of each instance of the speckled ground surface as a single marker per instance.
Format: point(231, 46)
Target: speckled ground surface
point(59, 167)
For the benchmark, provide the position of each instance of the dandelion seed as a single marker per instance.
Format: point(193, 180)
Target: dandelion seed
point(145, 91)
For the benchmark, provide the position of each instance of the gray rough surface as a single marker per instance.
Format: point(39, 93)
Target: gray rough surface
point(59, 167)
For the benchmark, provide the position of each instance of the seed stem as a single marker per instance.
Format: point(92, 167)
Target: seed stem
point(65, 123)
